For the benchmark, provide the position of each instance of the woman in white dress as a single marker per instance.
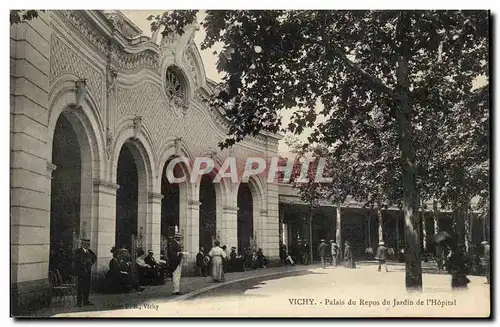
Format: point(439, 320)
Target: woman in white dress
point(217, 254)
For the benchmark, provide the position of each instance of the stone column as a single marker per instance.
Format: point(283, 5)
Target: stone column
point(153, 228)
point(103, 235)
point(189, 227)
point(29, 174)
point(270, 220)
point(229, 233)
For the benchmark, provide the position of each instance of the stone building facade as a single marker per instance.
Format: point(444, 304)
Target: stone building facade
point(93, 75)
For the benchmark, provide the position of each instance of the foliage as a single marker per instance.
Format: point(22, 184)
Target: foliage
point(19, 16)
point(414, 66)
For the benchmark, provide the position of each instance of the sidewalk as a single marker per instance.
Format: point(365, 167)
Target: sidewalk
point(152, 293)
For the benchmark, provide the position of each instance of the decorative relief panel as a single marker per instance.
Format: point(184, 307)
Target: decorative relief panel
point(75, 17)
point(63, 60)
point(144, 59)
point(189, 61)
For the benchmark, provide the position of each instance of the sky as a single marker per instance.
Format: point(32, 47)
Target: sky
point(139, 17)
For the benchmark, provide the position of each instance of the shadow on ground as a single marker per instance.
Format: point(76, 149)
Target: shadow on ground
point(239, 288)
point(133, 300)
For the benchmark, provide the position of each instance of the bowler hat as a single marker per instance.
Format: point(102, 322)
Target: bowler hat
point(85, 240)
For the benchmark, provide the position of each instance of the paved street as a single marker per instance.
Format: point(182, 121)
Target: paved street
point(321, 292)
point(152, 294)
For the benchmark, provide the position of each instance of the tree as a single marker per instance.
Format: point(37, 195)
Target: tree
point(460, 165)
point(404, 62)
point(19, 16)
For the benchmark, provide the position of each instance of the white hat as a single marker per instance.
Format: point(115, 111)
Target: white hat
point(381, 243)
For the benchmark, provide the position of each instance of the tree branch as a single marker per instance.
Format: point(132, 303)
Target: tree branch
point(376, 82)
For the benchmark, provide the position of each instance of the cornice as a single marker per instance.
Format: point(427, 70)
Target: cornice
point(124, 53)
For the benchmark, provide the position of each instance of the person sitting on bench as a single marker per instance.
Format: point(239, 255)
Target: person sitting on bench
point(148, 275)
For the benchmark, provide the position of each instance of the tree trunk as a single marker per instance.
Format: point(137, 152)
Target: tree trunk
point(338, 230)
point(413, 262)
point(468, 228)
point(310, 236)
point(435, 219)
point(484, 228)
point(397, 233)
point(435, 216)
point(460, 225)
point(424, 227)
point(380, 223)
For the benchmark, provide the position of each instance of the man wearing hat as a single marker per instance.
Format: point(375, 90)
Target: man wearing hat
point(322, 252)
point(486, 260)
point(334, 250)
point(381, 256)
point(82, 267)
point(174, 260)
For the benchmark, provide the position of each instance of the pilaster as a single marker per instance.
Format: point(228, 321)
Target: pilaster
point(102, 238)
point(153, 229)
point(229, 233)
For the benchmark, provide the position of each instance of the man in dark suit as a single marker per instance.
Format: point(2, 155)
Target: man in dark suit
point(382, 256)
point(82, 268)
point(174, 261)
point(322, 248)
point(201, 265)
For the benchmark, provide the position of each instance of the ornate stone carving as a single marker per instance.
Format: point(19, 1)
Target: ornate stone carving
point(109, 142)
point(189, 61)
point(89, 32)
point(81, 91)
point(116, 20)
point(167, 43)
point(145, 59)
point(177, 142)
point(65, 60)
point(148, 58)
point(137, 120)
point(211, 153)
point(111, 80)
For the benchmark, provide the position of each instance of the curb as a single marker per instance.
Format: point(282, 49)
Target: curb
point(211, 287)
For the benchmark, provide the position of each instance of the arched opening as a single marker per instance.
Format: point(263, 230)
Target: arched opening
point(245, 217)
point(65, 197)
point(170, 204)
point(208, 214)
point(127, 198)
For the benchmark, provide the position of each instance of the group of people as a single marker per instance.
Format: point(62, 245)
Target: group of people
point(331, 251)
point(119, 278)
point(218, 262)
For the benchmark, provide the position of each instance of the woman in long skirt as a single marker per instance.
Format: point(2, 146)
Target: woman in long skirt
point(217, 254)
point(349, 261)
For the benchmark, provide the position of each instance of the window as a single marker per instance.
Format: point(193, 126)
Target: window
point(174, 85)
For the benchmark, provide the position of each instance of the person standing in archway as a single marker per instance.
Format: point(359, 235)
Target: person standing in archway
point(174, 259)
point(83, 262)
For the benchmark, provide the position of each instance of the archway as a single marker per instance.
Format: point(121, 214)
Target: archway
point(208, 214)
point(169, 205)
point(65, 198)
point(127, 198)
point(245, 217)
